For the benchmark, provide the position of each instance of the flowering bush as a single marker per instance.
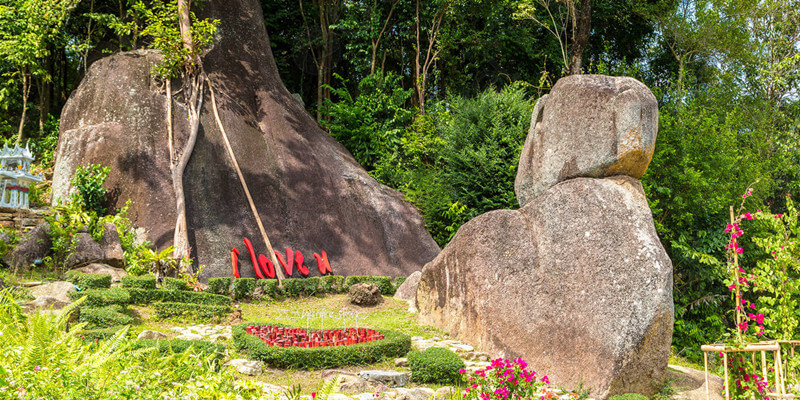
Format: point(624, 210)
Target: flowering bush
point(503, 379)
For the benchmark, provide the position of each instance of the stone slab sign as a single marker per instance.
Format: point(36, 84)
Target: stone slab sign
point(310, 192)
point(576, 282)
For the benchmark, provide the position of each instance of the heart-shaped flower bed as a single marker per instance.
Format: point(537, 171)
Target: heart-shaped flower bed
point(280, 336)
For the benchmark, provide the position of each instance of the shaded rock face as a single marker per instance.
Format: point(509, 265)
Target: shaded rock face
point(310, 192)
point(576, 283)
point(38, 245)
point(35, 245)
point(588, 126)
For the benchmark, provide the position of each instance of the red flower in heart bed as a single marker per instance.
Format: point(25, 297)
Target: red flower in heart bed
point(281, 336)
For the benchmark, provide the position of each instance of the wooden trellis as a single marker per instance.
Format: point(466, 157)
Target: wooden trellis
point(761, 348)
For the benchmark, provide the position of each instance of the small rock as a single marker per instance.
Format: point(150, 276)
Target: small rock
point(270, 388)
point(415, 394)
point(220, 337)
point(468, 356)
point(151, 335)
point(444, 392)
point(482, 356)
point(98, 268)
point(401, 362)
point(461, 347)
point(45, 303)
point(57, 290)
point(389, 378)
point(338, 396)
point(364, 396)
point(365, 294)
point(246, 367)
point(189, 336)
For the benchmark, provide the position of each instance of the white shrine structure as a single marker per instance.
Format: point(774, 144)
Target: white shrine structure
point(15, 176)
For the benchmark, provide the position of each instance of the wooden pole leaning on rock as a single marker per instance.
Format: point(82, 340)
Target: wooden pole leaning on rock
point(278, 272)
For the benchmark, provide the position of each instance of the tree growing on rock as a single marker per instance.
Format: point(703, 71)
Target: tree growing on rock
point(181, 38)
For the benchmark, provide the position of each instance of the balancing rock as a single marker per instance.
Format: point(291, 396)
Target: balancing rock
point(576, 282)
point(588, 126)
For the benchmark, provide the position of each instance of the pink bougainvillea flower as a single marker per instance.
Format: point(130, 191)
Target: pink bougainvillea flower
point(759, 319)
point(546, 380)
point(743, 326)
point(753, 306)
point(732, 287)
point(747, 216)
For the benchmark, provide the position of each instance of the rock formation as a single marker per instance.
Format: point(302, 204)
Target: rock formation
point(310, 192)
point(576, 282)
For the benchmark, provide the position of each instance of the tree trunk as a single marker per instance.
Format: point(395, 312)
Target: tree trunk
point(418, 68)
point(185, 25)
point(580, 37)
point(26, 89)
point(180, 238)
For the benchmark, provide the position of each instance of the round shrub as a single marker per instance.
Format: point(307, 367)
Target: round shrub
point(435, 365)
point(384, 283)
point(393, 345)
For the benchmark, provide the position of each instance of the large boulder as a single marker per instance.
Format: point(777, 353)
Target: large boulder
point(38, 245)
point(35, 246)
point(588, 126)
point(57, 290)
point(305, 185)
point(576, 283)
point(408, 289)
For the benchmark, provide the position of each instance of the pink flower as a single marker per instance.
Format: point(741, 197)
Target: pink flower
point(732, 287)
point(546, 380)
point(37, 368)
point(759, 319)
point(747, 216)
point(743, 326)
point(462, 371)
point(753, 306)
point(778, 215)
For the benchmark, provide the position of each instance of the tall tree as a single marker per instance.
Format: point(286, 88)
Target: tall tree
point(28, 29)
point(569, 21)
point(323, 51)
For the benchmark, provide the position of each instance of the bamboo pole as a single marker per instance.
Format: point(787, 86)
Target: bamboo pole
point(725, 366)
point(705, 362)
point(764, 365)
point(777, 369)
point(278, 272)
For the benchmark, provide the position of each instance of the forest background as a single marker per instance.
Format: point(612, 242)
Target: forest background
point(434, 99)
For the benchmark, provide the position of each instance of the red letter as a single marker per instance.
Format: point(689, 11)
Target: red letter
point(298, 260)
point(235, 262)
point(286, 266)
point(327, 264)
point(253, 258)
point(264, 262)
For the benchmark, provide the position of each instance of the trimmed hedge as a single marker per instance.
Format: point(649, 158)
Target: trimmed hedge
point(103, 317)
point(298, 287)
point(435, 365)
point(90, 335)
point(88, 281)
point(181, 346)
point(332, 283)
point(139, 282)
point(141, 296)
point(221, 286)
point(200, 311)
point(270, 288)
point(384, 283)
point(175, 284)
point(242, 288)
point(393, 345)
point(102, 297)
